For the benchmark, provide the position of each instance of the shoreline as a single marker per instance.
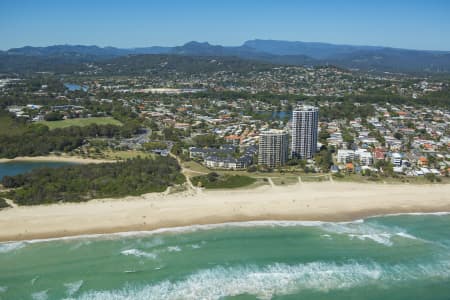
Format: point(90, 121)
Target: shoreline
point(333, 202)
point(55, 158)
point(196, 227)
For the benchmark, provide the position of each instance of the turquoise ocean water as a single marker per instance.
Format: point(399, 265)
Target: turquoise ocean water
point(389, 257)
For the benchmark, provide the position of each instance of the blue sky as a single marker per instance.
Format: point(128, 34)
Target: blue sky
point(137, 23)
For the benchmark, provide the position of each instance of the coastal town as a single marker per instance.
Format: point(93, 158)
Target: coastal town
point(225, 130)
point(219, 150)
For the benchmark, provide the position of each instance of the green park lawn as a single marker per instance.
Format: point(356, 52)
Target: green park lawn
point(222, 181)
point(81, 122)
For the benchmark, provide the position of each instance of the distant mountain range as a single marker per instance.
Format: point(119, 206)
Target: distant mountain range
point(364, 58)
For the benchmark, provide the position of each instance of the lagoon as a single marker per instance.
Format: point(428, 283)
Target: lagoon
point(20, 167)
point(75, 87)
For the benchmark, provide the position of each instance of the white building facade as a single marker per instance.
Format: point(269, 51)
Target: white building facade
point(273, 148)
point(305, 123)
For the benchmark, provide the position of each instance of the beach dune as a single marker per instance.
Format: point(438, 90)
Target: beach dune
point(307, 201)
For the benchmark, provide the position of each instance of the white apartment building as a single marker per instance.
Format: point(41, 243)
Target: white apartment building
point(273, 148)
point(365, 157)
point(305, 122)
point(396, 159)
point(345, 156)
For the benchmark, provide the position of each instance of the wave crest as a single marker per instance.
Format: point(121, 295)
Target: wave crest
point(11, 246)
point(138, 253)
point(276, 279)
point(73, 287)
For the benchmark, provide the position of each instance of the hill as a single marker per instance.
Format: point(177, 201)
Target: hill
point(314, 50)
point(165, 64)
point(69, 58)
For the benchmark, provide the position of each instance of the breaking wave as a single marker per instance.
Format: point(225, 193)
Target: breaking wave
point(365, 231)
point(138, 253)
point(173, 249)
point(9, 247)
point(42, 295)
point(355, 229)
point(73, 287)
point(275, 279)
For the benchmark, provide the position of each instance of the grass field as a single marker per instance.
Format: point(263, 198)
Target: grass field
point(223, 181)
point(288, 180)
point(195, 167)
point(81, 122)
point(123, 155)
point(316, 178)
point(115, 155)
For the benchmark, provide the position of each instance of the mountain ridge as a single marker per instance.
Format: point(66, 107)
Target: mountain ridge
point(365, 58)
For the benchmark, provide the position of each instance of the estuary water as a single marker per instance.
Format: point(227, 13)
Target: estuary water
point(20, 167)
point(75, 87)
point(387, 257)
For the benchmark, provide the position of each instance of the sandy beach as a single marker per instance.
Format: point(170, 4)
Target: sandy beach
point(307, 201)
point(54, 158)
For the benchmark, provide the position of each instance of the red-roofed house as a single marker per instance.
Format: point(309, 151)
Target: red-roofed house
point(379, 154)
point(422, 161)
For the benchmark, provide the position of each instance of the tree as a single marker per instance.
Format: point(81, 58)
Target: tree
point(324, 159)
point(83, 182)
point(323, 135)
point(207, 140)
point(53, 116)
point(212, 176)
point(431, 177)
point(398, 135)
point(154, 146)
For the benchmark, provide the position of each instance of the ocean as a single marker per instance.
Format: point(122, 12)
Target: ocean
point(387, 257)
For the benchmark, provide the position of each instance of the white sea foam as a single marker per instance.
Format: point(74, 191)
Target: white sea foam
point(3, 289)
point(355, 229)
point(33, 281)
point(180, 229)
point(174, 249)
point(73, 287)
point(42, 295)
point(80, 244)
point(440, 213)
point(11, 246)
point(195, 246)
point(406, 235)
point(276, 279)
point(381, 238)
point(367, 231)
point(326, 236)
point(154, 242)
point(138, 253)
point(194, 228)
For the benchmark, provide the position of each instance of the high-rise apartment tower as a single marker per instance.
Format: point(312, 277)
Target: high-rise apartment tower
point(305, 120)
point(273, 148)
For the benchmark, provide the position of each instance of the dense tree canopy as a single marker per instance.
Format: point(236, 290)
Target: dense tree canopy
point(83, 182)
point(18, 138)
